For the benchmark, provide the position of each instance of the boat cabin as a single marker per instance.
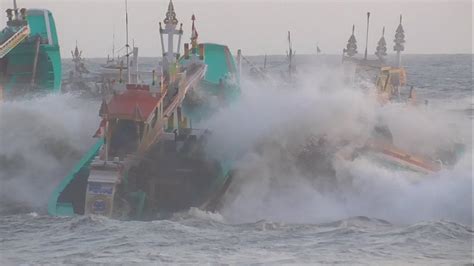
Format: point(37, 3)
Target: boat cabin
point(132, 120)
point(389, 81)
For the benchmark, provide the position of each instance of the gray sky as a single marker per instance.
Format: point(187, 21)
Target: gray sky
point(260, 27)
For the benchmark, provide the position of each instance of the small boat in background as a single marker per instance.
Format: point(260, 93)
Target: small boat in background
point(80, 79)
point(259, 73)
point(388, 80)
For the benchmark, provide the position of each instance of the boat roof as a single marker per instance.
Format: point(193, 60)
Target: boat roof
point(136, 103)
point(36, 11)
point(219, 62)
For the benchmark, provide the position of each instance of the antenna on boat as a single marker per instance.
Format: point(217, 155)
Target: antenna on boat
point(113, 44)
point(127, 46)
point(290, 54)
point(367, 36)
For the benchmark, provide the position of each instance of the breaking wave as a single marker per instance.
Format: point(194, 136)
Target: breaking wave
point(269, 130)
point(290, 203)
point(40, 140)
point(270, 134)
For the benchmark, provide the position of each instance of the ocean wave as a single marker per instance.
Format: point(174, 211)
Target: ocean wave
point(41, 139)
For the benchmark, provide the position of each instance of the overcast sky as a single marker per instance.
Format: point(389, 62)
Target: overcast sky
point(260, 27)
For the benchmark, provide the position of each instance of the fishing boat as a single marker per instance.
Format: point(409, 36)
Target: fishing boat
point(380, 149)
point(394, 157)
point(97, 84)
point(112, 70)
point(30, 60)
point(114, 67)
point(149, 160)
point(80, 79)
point(262, 73)
point(388, 80)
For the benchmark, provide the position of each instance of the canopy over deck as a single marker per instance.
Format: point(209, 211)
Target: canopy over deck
point(136, 103)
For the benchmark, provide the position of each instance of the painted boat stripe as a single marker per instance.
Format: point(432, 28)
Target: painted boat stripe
point(411, 160)
point(403, 163)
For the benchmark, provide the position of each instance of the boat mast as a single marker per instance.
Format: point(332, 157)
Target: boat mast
point(351, 47)
point(367, 36)
point(15, 9)
point(113, 44)
point(381, 49)
point(399, 42)
point(239, 61)
point(127, 46)
point(169, 56)
point(290, 55)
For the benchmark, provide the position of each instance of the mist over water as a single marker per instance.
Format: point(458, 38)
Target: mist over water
point(285, 206)
point(40, 141)
point(263, 134)
point(281, 120)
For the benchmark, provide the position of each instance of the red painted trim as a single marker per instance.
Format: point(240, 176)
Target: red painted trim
point(404, 156)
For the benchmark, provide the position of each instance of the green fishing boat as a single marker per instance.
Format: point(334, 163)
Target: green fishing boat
point(30, 60)
point(149, 160)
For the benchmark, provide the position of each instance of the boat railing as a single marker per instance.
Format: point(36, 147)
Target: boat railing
point(184, 86)
point(14, 40)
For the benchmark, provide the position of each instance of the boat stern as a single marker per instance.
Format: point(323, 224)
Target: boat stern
point(101, 188)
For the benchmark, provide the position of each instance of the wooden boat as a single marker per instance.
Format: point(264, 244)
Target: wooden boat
point(387, 80)
point(30, 60)
point(395, 157)
point(149, 160)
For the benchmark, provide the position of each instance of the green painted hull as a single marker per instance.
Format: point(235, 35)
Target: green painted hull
point(60, 203)
point(18, 75)
point(220, 81)
point(220, 86)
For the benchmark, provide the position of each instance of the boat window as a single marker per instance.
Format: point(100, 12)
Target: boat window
point(124, 139)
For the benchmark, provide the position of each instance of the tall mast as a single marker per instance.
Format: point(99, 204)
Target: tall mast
point(399, 42)
point(113, 44)
point(127, 45)
point(381, 49)
point(15, 9)
point(367, 36)
point(351, 47)
point(194, 34)
point(170, 23)
point(290, 54)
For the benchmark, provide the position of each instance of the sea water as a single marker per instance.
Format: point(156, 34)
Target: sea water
point(366, 214)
